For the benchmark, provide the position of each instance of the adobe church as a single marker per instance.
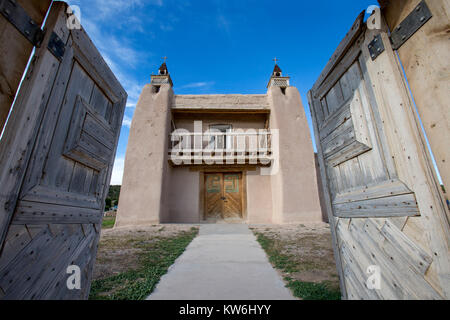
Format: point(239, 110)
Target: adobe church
point(219, 158)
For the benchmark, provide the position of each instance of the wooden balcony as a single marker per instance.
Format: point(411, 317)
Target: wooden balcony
point(252, 147)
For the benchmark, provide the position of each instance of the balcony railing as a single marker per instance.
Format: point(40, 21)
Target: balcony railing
point(252, 147)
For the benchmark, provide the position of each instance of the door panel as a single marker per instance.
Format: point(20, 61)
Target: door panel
point(383, 205)
point(351, 149)
point(214, 195)
point(223, 195)
point(64, 173)
point(232, 194)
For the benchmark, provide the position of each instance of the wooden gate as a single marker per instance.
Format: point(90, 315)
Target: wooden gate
point(383, 201)
point(56, 160)
point(16, 47)
point(425, 57)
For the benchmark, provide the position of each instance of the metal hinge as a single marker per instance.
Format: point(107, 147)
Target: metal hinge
point(19, 18)
point(56, 46)
point(376, 47)
point(410, 25)
point(405, 30)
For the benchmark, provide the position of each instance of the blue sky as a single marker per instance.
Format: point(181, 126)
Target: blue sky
point(215, 46)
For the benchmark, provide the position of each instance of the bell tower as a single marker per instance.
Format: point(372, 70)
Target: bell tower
point(162, 78)
point(277, 79)
point(147, 145)
point(295, 195)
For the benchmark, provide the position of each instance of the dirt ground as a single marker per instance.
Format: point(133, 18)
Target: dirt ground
point(309, 246)
point(117, 252)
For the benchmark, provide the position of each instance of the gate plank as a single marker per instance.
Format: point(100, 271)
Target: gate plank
point(426, 61)
point(15, 52)
point(15, 150)
point(393, 178)
point(61, 201)
point(420, 260)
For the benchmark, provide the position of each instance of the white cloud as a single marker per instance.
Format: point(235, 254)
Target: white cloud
point(118, 54)
point(117, 173)
point(197, 85)
point(126, 122)
point(134, 90)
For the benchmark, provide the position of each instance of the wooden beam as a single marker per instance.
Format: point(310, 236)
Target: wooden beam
point(346, 43)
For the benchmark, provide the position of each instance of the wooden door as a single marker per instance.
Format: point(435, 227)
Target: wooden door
point(383, 202)
point(56, 162)
point(214, 196)
point(223, 196)
point(232, 192)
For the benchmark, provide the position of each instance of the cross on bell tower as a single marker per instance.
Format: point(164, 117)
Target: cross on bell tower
point(163, 76)
point(163, 69)
point(277, 79)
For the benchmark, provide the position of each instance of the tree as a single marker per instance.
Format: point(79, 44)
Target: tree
point(107, 203)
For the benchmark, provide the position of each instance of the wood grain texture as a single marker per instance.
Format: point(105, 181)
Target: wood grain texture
point(384, 205)
point(223, 195)
point(63, 162)
point(15, 51)
point(213, 196)
point(425, 58)
point(232, 188)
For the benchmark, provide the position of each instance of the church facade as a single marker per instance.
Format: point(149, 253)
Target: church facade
point(219, 158)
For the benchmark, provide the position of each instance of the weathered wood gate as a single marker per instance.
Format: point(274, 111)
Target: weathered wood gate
point(56, 158)
point(16, 47)
point(384, 203)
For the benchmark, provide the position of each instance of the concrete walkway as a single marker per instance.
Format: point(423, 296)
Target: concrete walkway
point(224, 262)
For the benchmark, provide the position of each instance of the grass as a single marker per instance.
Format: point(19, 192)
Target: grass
point(155, 258)
point(287, 264)
point(312, 290)
point(108, 222)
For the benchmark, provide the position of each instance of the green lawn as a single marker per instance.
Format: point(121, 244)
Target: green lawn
point(108, 222)
point(155, 256)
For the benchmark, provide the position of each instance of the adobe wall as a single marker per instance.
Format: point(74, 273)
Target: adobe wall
point(259, 198)
point(185, 203)
point(252, 121)
point(294, 188)
point(143, 198)
point(155, 192)
point(184, 195)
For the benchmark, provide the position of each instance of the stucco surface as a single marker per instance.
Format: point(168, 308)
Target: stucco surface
point(221, 101)
point(259, 198)
point(294, 188)
point(155, 192)
point(142, 198)
point(184, 196)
